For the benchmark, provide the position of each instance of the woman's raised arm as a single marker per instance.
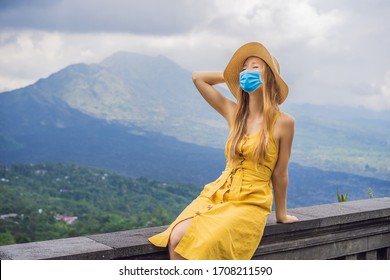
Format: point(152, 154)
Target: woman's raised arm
point(204, 82)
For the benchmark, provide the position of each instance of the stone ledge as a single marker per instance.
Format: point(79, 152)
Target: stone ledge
point(324, 232)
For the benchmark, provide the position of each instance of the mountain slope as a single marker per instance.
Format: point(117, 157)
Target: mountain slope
point(62, 134)
point(144, 95)
point(151, 92)
point(352, 140)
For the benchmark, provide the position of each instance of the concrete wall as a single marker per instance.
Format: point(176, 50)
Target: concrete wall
point(348, 230)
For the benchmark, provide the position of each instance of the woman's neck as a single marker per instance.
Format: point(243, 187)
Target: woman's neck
point(255, 105)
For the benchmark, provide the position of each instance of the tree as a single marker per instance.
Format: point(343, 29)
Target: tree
point(6, 238)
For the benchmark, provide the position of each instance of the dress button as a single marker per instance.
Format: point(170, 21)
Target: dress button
point(209, 206)
point(197, 213)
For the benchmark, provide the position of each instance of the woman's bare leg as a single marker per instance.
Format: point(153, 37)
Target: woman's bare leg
point(176, 235)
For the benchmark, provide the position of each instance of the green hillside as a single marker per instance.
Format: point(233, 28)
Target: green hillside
point(51, 201)
point(41, 202)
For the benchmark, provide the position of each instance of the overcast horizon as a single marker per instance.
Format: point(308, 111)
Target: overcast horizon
point(330, 52)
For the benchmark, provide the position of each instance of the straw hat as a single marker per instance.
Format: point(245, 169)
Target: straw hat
point(234, 67)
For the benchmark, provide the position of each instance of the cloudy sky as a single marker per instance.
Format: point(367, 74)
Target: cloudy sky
point(331, 52)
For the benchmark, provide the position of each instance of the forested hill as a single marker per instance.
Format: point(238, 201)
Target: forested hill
point(42, 202)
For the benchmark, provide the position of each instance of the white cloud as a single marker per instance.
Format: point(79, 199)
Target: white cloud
point(30, 55)
point(147, 17)
point(277, 22)
point(381, 100)
point(385, 88)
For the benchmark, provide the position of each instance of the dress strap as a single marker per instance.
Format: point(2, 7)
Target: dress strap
point(278, 113)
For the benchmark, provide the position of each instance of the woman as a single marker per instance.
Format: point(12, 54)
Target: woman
point(227, 219)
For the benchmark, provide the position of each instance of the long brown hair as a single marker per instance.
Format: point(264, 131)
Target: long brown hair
point(270, 108)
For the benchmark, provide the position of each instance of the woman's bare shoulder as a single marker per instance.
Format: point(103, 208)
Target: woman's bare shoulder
point(284, 125)
point(285, 119)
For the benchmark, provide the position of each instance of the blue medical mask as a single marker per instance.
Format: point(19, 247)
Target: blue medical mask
point(250, 80)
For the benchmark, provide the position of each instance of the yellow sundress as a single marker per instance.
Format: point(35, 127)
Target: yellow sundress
point(230, 213)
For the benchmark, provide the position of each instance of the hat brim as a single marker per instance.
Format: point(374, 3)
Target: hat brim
point(232, 71)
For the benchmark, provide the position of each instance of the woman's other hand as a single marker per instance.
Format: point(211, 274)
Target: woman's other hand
point(288, 219)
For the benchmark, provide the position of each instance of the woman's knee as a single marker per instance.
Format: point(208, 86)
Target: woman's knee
point(174, 239)
point(178, 232)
